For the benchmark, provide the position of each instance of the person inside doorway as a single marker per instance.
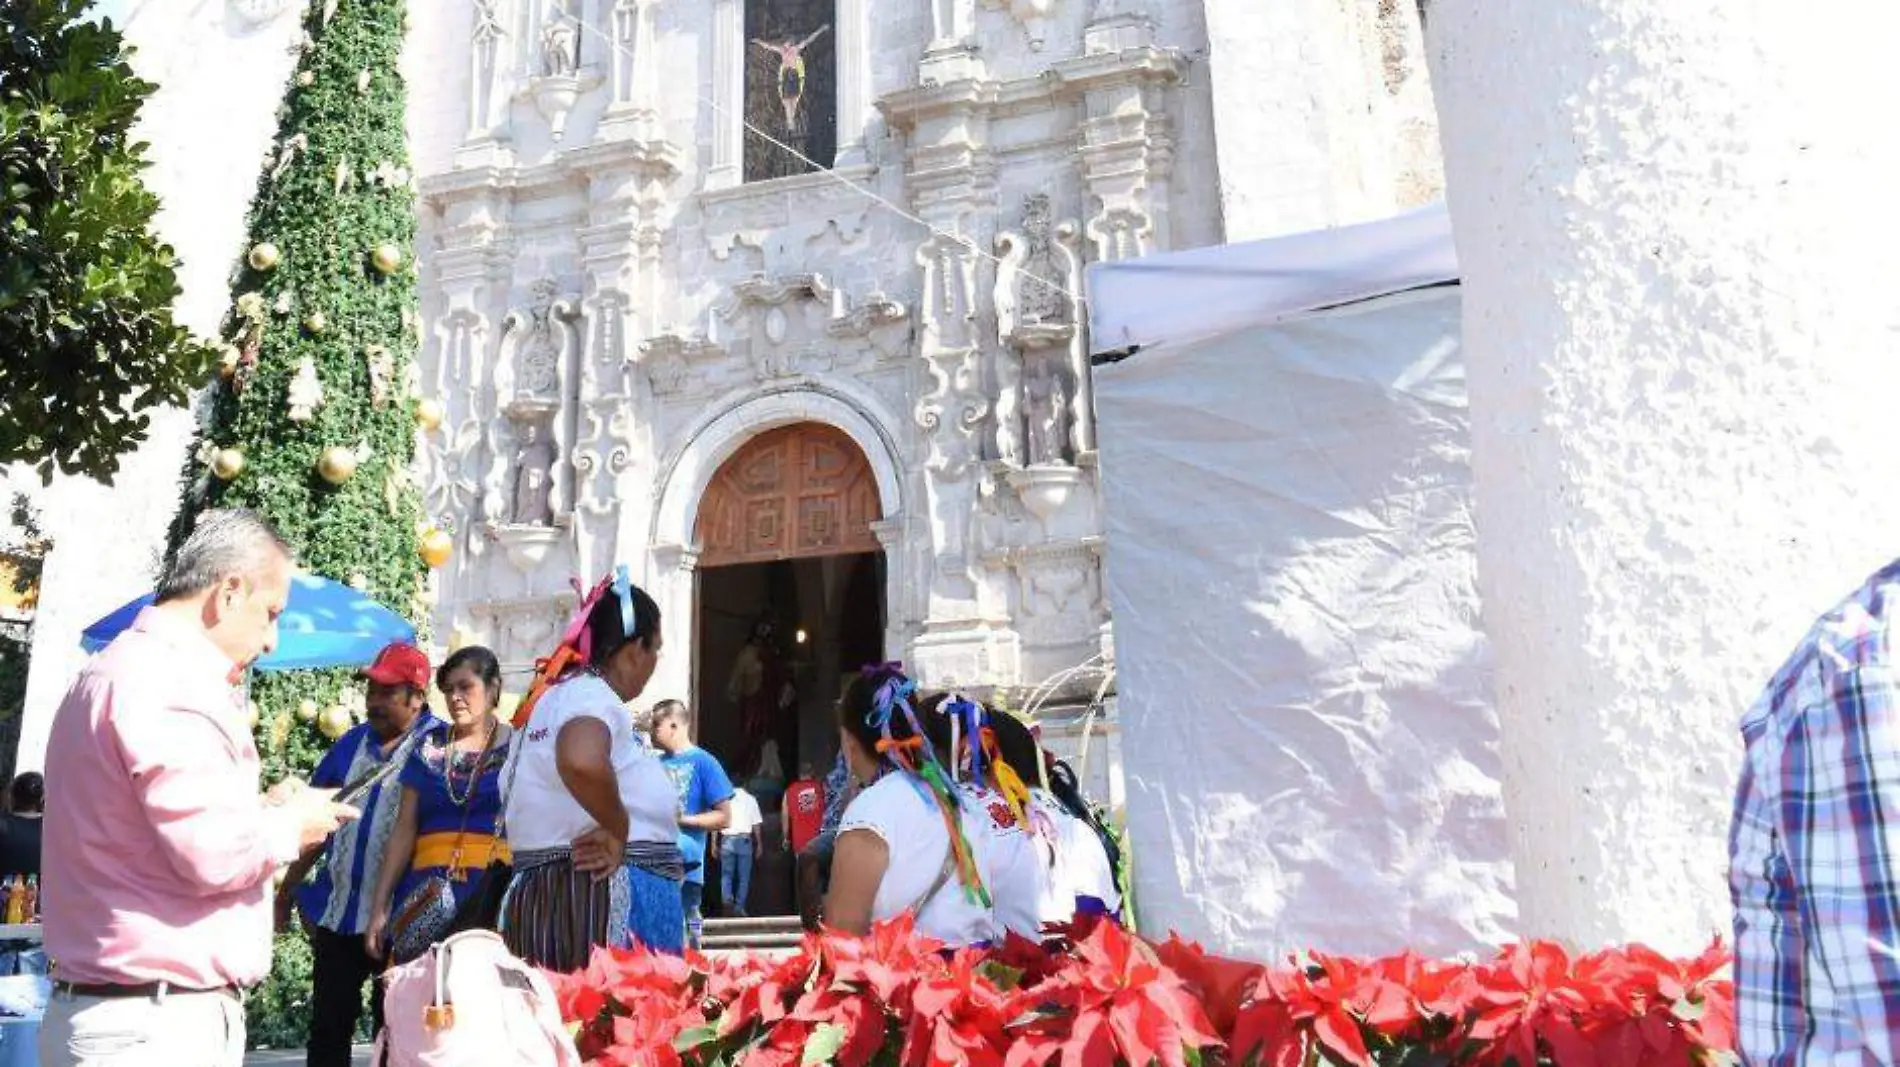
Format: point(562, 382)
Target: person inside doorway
point(705, 802)
point(336, 905)
point(589, 813)
point(761, 686)
point(740, 845)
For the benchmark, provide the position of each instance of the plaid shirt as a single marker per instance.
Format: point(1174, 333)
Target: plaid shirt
point(1814, 850)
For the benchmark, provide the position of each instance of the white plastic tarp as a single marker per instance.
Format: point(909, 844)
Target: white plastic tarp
point(1309, 742)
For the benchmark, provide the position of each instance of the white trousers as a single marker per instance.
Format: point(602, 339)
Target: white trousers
point(176, 1030)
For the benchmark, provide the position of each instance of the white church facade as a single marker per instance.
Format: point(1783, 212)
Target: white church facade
point(780, 302)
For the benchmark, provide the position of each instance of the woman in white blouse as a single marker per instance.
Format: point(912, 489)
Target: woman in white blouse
point(591, 815)
point(955, 854)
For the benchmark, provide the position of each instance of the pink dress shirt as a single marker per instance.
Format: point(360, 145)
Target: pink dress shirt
point(158, 851)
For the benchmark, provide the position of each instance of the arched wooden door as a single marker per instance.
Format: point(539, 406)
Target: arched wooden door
point(799, 491)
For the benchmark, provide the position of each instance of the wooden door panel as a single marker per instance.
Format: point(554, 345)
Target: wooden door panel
point(799, 491)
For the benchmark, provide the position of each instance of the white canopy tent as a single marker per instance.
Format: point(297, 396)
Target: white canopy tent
point(1309, 741)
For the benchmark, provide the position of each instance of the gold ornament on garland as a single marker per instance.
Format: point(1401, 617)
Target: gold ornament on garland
point(336, 464)
point(307, 710)
point(387, 259)
point(251, 715)
point(429, 414)
point(437, 546)
point(306, 78)
point(228, 358)
point(315, 322)
point(227, 464)
point(264, 256)
point(334, 721)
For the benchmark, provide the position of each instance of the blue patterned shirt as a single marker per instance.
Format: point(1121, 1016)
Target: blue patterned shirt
point(835, 784)
point(1814, 850)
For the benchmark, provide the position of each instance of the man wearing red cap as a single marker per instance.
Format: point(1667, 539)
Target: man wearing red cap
point(336, 905)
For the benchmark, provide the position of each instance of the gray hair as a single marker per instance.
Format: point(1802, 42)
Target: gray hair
point(224, 542)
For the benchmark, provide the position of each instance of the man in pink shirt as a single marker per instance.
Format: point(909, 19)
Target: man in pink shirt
point(159, 851)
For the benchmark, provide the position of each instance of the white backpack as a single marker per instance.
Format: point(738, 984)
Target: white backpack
point(469, 1002)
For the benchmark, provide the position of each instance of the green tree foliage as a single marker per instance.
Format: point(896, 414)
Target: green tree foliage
point(334, 190)
point(87, 343)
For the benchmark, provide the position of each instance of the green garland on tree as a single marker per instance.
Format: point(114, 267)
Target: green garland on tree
point(313, 421)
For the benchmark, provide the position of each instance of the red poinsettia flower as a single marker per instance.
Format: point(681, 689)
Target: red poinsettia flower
point(957, 1017)
point(1114, 1000)
point(1333, 1002)
point(1525, 1003)
point(887, 962)
point(1220, 984)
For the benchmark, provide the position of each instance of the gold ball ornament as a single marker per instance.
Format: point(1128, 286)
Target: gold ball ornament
point(437, 546)
point(264, 256)
point(227, 464)
point(315, 322)
point(307, 710)
point(334, 721)
point(387, 259)
point(251, 715)
point(429, 414)
point(336, 464)
point(306, 78)
point(228, 359)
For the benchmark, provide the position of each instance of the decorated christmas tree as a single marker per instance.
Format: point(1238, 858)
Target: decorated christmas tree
point(314, 419)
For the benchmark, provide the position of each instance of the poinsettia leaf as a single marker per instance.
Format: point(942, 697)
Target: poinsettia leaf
point(688, 1040)
point(823, 1045)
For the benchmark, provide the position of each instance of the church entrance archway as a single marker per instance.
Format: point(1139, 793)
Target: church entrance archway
point(789, 604)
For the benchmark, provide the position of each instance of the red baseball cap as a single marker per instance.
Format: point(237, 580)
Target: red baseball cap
point(400, 664)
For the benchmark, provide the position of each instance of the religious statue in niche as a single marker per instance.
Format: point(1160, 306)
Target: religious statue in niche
point(538, 365)
point(791, 87)
point(560, 43)
point(534, 477)
point(1048, 417)
point(1042, 300)
point(760, 684)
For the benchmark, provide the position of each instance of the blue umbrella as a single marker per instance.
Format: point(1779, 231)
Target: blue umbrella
point(325, 624)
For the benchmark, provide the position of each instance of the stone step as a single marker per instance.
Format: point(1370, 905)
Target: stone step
point(718, 942)
point(753, 924)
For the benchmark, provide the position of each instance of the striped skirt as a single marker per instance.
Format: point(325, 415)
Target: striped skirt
point(553, 915)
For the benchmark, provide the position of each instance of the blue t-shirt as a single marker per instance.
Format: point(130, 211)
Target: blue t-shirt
point(702, 786)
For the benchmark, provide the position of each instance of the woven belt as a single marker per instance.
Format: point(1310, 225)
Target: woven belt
point(452, 850)
point(653, 857)
point(140, 991)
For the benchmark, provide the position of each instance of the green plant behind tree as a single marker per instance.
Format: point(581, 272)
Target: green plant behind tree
point(88, 347)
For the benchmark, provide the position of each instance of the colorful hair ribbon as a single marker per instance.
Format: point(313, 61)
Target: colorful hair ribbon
point(916, 756)
point(577, 641)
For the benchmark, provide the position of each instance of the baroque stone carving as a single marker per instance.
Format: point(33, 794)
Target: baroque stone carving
point(1033, 14)
point(542, 341)
point(534, 476)
point(1042, 340)
point(670, 360)
point(560, 42)
point(485, 67)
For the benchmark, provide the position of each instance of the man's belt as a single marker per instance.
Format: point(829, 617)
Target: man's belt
point(140, 991)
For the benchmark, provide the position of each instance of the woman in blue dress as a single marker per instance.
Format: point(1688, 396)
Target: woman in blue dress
point(446, 830)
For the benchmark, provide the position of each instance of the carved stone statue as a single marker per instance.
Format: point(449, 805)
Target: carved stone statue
point(534, 477)
point(538, 366)
point(1048, 419)
point(1042, 300)
point(484, 53)
point(560, 41)
point(951, 20)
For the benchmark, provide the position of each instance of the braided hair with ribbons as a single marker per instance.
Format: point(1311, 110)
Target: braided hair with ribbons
point(880, 710)
point(615, 613)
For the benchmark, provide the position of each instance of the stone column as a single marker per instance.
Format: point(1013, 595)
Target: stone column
point(728, 95)
point(672, 581)
point(1679, 237)
point(854, 82)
